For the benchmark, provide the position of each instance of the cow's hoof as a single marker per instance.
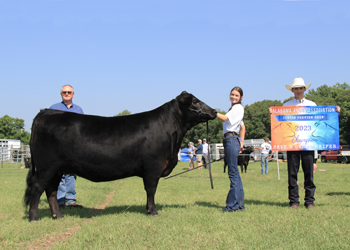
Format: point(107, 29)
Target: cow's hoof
point(33, 219)
point(154, 214)
point(57, 216)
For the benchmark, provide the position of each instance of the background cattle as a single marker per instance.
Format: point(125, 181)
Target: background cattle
point(243, 158)
point(27, 162)
point(103, 148)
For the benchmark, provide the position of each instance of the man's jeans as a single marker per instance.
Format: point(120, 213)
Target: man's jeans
point(307, 165)
point(66, 190)
point(264, 159)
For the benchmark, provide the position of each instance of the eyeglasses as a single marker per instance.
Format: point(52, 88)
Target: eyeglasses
point(66, 92)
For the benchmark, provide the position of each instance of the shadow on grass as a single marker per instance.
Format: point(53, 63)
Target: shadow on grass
point(87, 212)
point(246, 202)
point(338, 193)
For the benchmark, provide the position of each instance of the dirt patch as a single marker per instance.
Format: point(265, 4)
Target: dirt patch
point(49, 240)
point(108, 200)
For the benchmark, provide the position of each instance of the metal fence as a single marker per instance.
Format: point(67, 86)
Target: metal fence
point(10, 154)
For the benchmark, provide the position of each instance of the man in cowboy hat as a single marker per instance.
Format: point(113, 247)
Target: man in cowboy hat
point(298, 88)
point(307, 157)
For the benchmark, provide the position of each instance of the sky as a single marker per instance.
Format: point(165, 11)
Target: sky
point(136, 55)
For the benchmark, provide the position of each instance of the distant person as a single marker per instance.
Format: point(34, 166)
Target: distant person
point(66, 190)
point(231, 127)
point(190, 152)
point(265, 150)
point(199, 153)
point(206, 152)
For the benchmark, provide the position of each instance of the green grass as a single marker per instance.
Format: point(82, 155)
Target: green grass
point(188, 213)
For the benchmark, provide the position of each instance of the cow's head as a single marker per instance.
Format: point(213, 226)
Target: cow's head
point(194, 110)
point(247, 149)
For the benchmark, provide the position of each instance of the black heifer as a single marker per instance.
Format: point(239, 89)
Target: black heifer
point(243, 158)
point(109, 148)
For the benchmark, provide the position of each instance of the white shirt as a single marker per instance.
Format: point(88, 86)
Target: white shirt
point(266, 147)
point(303, 102)
point(235, 117)
point(205, 148)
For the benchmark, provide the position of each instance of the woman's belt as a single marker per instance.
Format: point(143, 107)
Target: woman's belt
point(230, 133)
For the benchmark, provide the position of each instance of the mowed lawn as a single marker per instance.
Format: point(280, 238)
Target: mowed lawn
point(114, 214)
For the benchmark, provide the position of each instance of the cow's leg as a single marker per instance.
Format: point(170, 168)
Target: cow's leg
point(51, 194)
point(34, 204)
point(151, 184)
point(36, 191)
point(245, 168)
point(242, 168)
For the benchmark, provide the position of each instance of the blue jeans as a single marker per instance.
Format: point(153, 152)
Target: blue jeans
point(235, 197)
point(66, 190)
point(264, 158)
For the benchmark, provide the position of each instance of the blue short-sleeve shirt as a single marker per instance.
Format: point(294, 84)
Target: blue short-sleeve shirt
point(63, 107)
point(199, 149)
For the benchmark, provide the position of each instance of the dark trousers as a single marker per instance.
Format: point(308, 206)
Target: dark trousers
point(293, 158)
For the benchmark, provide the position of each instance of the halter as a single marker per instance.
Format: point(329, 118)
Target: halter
point(199, 111)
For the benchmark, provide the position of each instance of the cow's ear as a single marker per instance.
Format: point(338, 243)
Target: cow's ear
point(184, 98)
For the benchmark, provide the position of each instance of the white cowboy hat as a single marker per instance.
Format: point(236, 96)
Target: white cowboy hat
point(298, 82)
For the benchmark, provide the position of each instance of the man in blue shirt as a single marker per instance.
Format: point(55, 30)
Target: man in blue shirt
point(66, 190)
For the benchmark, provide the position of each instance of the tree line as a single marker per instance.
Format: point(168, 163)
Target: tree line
point(256, 118)
point(13, 128)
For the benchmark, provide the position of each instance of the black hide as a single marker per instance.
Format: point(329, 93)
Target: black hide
point(108, 148)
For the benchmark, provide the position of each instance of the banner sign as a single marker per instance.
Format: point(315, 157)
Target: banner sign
point(295, 128)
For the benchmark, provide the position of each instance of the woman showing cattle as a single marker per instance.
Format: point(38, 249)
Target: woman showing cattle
point(231, 127)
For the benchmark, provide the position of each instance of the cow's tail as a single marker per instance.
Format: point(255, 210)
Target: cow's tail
point(29, 190)
point(31, 172)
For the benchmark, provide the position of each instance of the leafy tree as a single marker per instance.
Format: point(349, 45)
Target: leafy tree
point(13, 128)
point(257, 119)
point(124, 112)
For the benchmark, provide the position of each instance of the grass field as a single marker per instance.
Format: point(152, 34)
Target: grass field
point(114, 214)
